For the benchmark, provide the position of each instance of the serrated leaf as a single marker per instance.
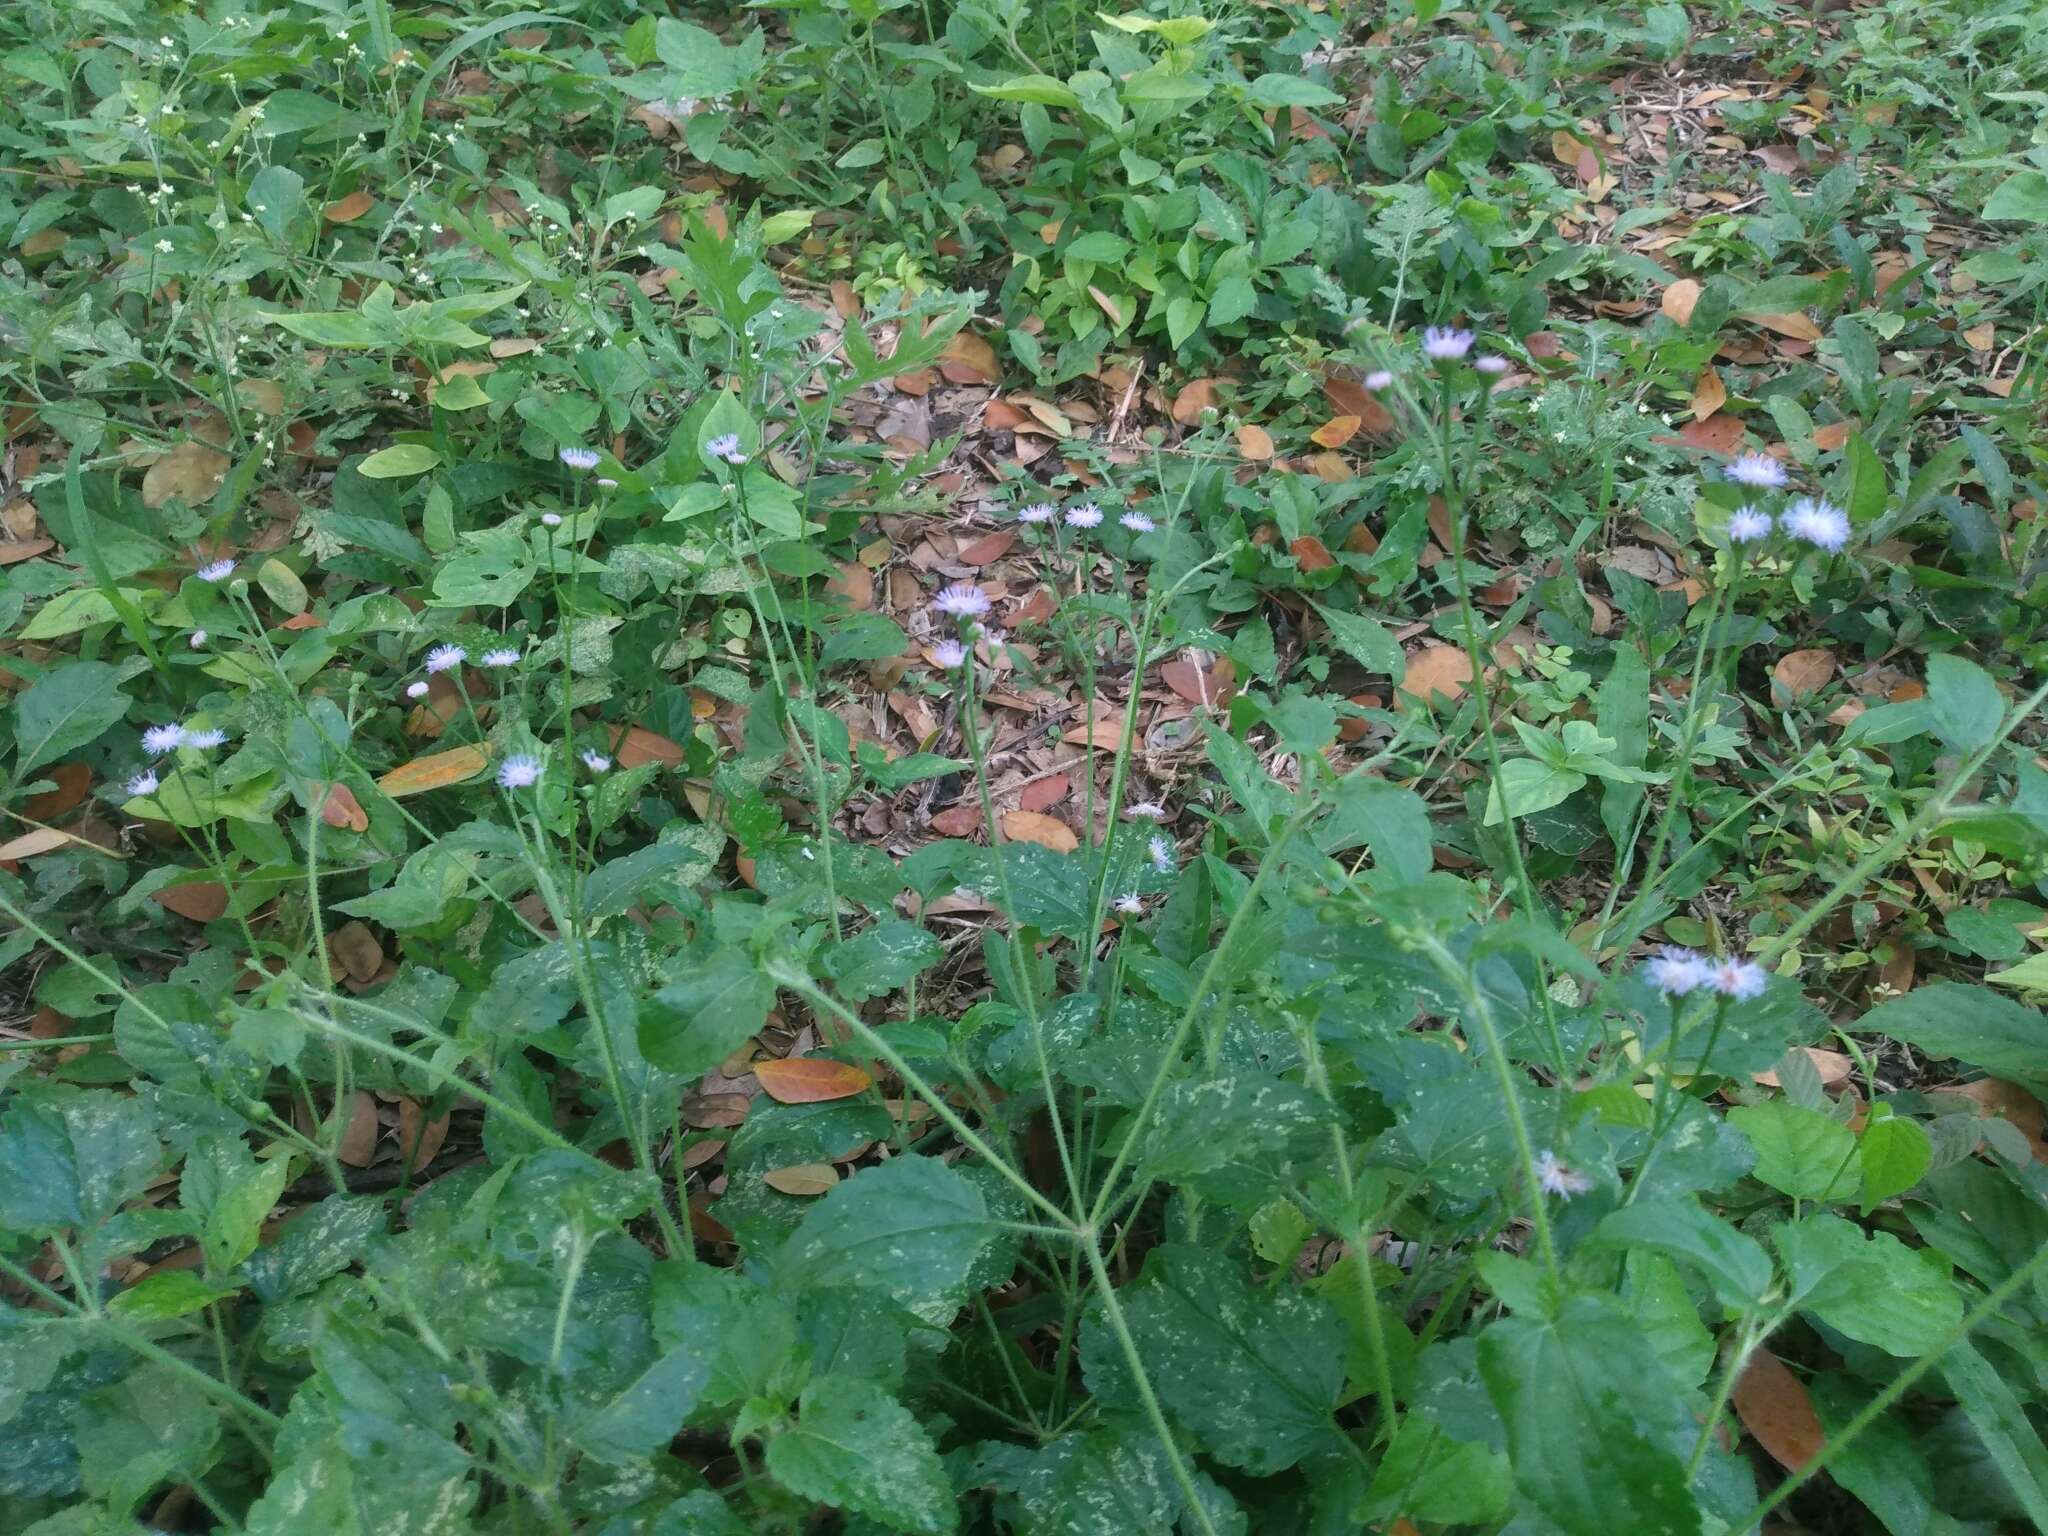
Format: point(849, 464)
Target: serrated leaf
point(856, 1448)
point(695, 1022)
point(911, 1228)
point(1801, 1152)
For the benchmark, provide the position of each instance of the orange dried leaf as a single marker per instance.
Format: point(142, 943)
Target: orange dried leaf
point(1107, 735)
point(802, 1178)
point(348, 209)
point(1444, 669)
point(1709, 394)
point(72, 780)
point(810, 1080)
point(1679, 301)
point(1796, 326)
point(1335, 432)
point(633, 745)
point(201, 900)
point(1197, 396)
point(1046, 831)
point(1254, 442)
point(1800, 673)
point(1774, 1407)
point(969, 359)
point(341, 809)
point(436, 770)
point(1313, 554)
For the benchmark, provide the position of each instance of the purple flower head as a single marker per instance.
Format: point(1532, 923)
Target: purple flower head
point(1037, 512)
point(216, 570)
point(1757, 469)
point(726, 447)
point(596, 761)
point(551, 519)
point(1145, 810)
point(1137, 522)
point(1086, 515)
point(1676, 971)
point(961, 601)
point(502, 656)
point(1819, 524)
point(1491, 364)
point(197, 639)
point(1556, 1179)
point(1739, 979)
point(416, 690)
point(948, 654)
point(445, 658)
point(1444, 342)
point(159, 739)
point(1378, 379)
point(1749, 525)
point(579, 458)
point(1131, 904)
point(206, 740)
point(518, 771)
point(144, 783)
point(1162, 855)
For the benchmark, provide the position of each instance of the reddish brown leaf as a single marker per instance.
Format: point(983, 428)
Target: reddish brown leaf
point(1774, 1407)
point(1800, 673)
point(1444, 669)
point(1832, 1066)
point(1796, 326)
point(1680, 299)
point(1348, 397)
point(989, 548)
point(348, 209)
point(341, 809)
point(419, 1139)
point(1042, 794)
point(960, 820)
point(1254, 442)
point(1210, 688)
point(802, 1178)
point(633, 745)
point(13, 552)
point(1709, 394)
point(810, 1079)
point(969, 359)
point(1196, 396)
point(1107, 734)
point(72, 779)
point(201, 900)
point(359, 1138)
point(1312, 553)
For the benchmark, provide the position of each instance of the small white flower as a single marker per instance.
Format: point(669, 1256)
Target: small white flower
point(503, 656)
point(726, 447)
point(216, 570)
point(1490, 364)
point(159, 739)
point(961, 601)
point(1749, 525)
point(1378, 379)
point(443, 658)
point(518, 771)
point(1145, 810)
point(1037, 512)
point(1162, 855)
point(1137, 522)
point(1818, 523)
point(1740, 979)
point(949, 654)
point(1131, 904)
point(416, 690)
point(1757, 469)
point(1676, 971)
point(205, 740)
point(1556, 1179)
point(144, 783)
point(596, 761)
point(196, 639)
point(1445, 342)
point(1086, 515)
point(163, 247)
point(605, 483)
point(579, 458)
point(551, 519)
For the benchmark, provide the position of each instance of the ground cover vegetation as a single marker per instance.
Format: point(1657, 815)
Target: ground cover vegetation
point(923, 766)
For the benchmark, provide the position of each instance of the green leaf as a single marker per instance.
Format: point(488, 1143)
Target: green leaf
point(481, 581)
point(1526, 786)
point(142, 1431)
point(1232, 299)
point(1366, 641)
point(73, 1160)
point(1591, 1417)
point(1183, 319)
point(1733, 1262)
point(398, 461)
point(66, 709)
point(237, 1215)
point(2022, 197)
point(644, 1416)
point(863, 637)
point(1964, 702)
point(1867, 490)
point(1271, 91)
point(1426, 1475)
point(911, 1228)
point(1971, 1024)
point(881, 959)
point(2003, 1427)
point(1043, 89)
point(1200, 1126)
point(1895, 1154)
point(1799, 1151)
point(168, 1293)
point(1868, 1285)
point(856, 1448)
point(693, 1024)
point(1255, 1375)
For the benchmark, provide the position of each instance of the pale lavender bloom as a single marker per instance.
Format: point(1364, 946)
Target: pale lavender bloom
point(1491, 364)
point(1145, 810)
point(143, 783)
point(1446, 342)
point(196, 639)
point(1676, 971)
point(1086, 515)
point(988, 635)
point(1131, 904)
point(1137, 522)
point(1378, 379)
point(1819, 524)
point(216, 570)
point(503, 656)
point(726, 447)
point(443, 658)
point(1162, 855)
point(962, 601)
point(551, 519)
point(1758, 469)
point(1556, 1179)
point(949, 654)
point(518, 771)
point(205, 740)
point(159, 739)
point(596, 761)
point(1749, 525)
point(416, 690)
point(580, 458)
point(1037, 512)
point(606, 483)
point(1739, 979)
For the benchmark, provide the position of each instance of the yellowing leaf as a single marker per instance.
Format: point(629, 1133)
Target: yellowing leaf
point(436, 770)
point(190, 472)
point(809, 1080)
point(348, 209)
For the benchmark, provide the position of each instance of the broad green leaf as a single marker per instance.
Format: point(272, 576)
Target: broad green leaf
point(2022, 198)
point(644, 1416)
point(910, 1228)
point(1426, 1475)
point(71, 1161)
point(2003, 1427)
point(1867, 489)
point(692, 1024)
point(1199, 1126)
point(856, 1448)
point(481, 581)
point(81, 608)
point(143, 1430)
point(398, 461)
point(1965, 704)
point(1043, 89)
point(881, 959)
point(66, 709)
point(1895, 1153)
point(1801, 1152)
point(1733, 1262)
point(168, 1293)
point(1868, 1285)
point(1971, 1024)
point(1527, 786)
point(1269, 92)
point(1366, 641)
point(1592, 1418)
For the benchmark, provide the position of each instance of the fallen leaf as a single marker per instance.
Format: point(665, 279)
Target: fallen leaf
point(1800, 673)
point(1774, 1407)
point(1254, 442)
point(190, 473)
point(72, 779)
point(356, 949)
point(1679, 301)
point(989, 548)
point(14, 551)
point(49, 840)
point(1350, 397)
point(348, 209)
point(1107, 734)
point(715, 1111)
point(1833, 436)
point(1989, 1096)
point(1196, 396)
point(419, 1139)
point(340, 808)
point(1981, 338)
point(1709, 394)
point(1335, 432)
point(1046, 831)
point(1832, 1066)
point(1107, 305)
point(1565, 149)
point(1720, 435)
point(809, 1079)
point(1796, 326)
point(1312, 553)
point(969, 359)
point(961, 820)
point(1042, 794)
point(633, 745)
point(802, 1178)
point(1208, 689)
point(436, 770)
point(359, 1138)
point(1433, 669)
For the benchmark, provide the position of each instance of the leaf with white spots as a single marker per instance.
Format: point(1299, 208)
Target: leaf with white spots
point(856, 1448)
